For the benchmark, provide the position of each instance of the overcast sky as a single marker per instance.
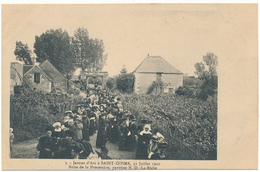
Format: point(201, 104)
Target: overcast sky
point(181, 34)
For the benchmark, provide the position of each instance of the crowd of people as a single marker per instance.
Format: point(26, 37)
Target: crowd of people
point(102, 116)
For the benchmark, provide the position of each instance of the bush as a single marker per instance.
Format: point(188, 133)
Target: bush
point(34, 124)
point(125, 83)
point(208, 88)
point(31, 115)
point(111, 83)
point(186, 91)
point(191, 81)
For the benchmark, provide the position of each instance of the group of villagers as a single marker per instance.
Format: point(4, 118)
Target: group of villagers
point(100, 117)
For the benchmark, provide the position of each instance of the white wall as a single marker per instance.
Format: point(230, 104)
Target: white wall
point(144, 80)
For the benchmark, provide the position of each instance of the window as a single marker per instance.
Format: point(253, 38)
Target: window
point(37, 77)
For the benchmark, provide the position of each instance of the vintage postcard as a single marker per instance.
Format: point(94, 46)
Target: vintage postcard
point(129, 86)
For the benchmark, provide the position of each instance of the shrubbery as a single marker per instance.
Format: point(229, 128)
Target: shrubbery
point(186, 91)
point(111, 83)
point(125, 83)
point(182, 120)
point(31, 114)
point(156, 87)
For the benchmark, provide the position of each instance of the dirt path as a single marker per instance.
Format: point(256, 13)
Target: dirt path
point(27, 150)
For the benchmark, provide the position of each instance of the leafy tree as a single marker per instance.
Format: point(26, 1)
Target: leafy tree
point(81, 46)
point(207, 72)
point(55, 46)
point(23, 53)
point(88, 52)
point(125, 82)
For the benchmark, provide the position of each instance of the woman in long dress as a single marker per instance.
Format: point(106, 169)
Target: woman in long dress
point(143, 140)
point(101, 136)
point(86, 125)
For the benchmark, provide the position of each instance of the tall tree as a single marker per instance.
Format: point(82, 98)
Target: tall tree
point(81, 47)
point(23, 53)
point(207, 72)
point(55, 46)
point(88, 52)
point(123, 70)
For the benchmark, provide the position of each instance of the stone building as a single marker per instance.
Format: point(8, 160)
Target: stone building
point(37, 79)
point(155, 68)
point(45, 78)
point(58, 80)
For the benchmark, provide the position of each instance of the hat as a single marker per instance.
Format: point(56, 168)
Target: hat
point(11, 130)
point(95, 106)
point(69, 111)
point(56, 124)
point(79, 105)
point(126, 111)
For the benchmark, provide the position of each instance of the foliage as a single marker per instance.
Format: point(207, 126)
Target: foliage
point(111, 83)
point(88, 52)
point(94, 80)
point(31, 114)
point(191, 81)
point(186, 91)
point(23, 53)
point(55, 46)
point(207, 72)
point(125, 83)
point(156, 87)
point(185, 122)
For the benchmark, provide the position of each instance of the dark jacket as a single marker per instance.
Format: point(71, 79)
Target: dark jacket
point(45, 146)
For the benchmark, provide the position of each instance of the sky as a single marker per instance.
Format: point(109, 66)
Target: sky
point(180, 33)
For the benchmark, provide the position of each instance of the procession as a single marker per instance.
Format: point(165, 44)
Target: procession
point(101, 115)
point(66, 104)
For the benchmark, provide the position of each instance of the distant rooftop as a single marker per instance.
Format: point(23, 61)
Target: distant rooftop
point(156, 64)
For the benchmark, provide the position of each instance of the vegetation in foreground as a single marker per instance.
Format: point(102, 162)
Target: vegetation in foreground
point(189, 124)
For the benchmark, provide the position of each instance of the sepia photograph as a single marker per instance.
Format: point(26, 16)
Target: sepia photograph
point(90, 83)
